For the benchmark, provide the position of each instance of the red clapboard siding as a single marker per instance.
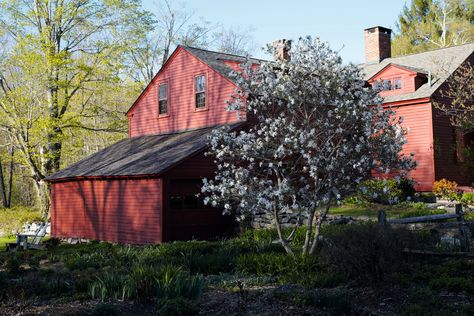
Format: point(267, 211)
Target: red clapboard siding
point(197, 166)
point(417, 118)
point(446, 163)
point(124, 211)
point(179, 74)
point(409, 79)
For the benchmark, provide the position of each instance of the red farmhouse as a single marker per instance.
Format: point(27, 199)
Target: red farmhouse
point(143, 188)
point(410, 84)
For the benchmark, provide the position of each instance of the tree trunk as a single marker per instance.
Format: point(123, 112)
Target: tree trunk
point(3, 194)
point(43, 191)
point(317, 233)
point(10, 178)
point(283, 240)
point(309, 231)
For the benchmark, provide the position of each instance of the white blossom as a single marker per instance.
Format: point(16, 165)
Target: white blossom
point(319, 132)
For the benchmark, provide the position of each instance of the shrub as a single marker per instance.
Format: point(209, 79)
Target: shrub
point(383, 191)
point(13, 263)
point(176, 307)
point(446, 189)
point(356, 200)
point(452, 284)
point(13, 219)
point(407, 186)
point(467, 198)
point(365, 251)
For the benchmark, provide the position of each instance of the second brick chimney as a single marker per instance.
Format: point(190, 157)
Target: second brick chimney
point(281, 49)
point(377, 44)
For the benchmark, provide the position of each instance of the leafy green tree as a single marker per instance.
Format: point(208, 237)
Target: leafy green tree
point(431, 24)
point(59, 56)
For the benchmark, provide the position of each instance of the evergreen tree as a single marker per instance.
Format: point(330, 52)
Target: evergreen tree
point(431, 24)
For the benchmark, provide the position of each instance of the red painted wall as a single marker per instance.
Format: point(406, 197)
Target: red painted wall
point(123, 211)
point(447, 165)
point(418, 119)
point(409, 80)
point(179, 73)
point(200, 223)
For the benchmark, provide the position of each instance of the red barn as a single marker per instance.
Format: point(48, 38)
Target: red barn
point(143, 188)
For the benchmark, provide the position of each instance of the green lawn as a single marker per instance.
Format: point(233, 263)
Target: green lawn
point(393, 211)
point(8, 239)
point(5, 240)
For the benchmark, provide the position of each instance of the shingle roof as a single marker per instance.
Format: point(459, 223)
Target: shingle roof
point(440, 63)
point(215, 60)
point(142, 155)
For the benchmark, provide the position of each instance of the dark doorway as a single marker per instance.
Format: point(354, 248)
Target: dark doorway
point(189, 218)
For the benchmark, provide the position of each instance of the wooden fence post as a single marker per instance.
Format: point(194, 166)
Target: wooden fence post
point(382, 219)
point(464, 230)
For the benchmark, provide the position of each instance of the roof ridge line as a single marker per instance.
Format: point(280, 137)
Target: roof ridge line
point(429, 51)
point(222, 53)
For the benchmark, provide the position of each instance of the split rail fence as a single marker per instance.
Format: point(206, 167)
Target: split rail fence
point(429, 222)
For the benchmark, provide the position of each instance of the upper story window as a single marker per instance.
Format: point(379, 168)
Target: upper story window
point(163, 99)
point(200, 91)
point(397, 83)
point(388, 84)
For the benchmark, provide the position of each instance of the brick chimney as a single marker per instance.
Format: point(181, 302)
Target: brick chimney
point(377, 44)
point(281, 49)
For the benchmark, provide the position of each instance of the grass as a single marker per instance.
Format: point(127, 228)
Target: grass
point(11, 239)
point(392, 211)
point(5, 240)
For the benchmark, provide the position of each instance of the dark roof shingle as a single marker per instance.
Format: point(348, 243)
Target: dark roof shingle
point(142, 155)
point(215, 60)
point(439, 63)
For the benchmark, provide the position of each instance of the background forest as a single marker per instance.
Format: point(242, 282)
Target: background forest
point(70, 69)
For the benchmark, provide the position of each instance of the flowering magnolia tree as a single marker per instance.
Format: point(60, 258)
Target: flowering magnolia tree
point(318, 132)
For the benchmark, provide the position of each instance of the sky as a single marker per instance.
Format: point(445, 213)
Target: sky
point(341, 23)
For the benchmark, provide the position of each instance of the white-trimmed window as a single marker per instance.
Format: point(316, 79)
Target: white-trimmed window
point(388, 84)
point(200, 91)
point(163, 99)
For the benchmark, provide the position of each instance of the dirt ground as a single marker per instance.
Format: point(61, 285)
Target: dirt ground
point(264, 301)
point(251, 301)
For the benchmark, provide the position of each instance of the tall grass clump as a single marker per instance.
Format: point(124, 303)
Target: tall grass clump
point(174, 282)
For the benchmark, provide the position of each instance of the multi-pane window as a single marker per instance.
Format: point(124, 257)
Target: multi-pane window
point(388, 84)
point(397, 83)
point(200, 91)
point(163, 99)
